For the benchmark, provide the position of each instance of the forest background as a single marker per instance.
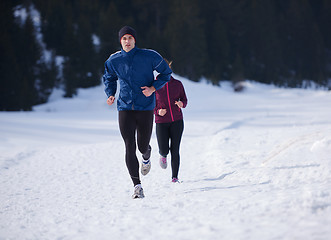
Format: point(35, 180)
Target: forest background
point(64, 44)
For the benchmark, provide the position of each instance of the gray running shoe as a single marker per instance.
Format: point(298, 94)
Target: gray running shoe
point(163, 162)
point(138, 192)
point(145, 167)
point(146, 163)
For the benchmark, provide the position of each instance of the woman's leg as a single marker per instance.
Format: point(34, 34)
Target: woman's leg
point(176, 132)
point(162, 134)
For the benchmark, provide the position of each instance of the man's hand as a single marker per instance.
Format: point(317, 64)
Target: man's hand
point(148, 91)
point(110, 100)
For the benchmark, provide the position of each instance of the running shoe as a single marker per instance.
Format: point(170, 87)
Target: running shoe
point(146, 163)
point(145, 167)
point(138, 192)
point(175, 180)
point(163, 162)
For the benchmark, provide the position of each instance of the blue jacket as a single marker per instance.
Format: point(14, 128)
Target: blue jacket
point(135, 69)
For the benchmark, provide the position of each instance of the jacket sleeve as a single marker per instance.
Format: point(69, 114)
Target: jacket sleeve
point(110, 80)
point(164, 72)
point(183, 97)
point(156, 109)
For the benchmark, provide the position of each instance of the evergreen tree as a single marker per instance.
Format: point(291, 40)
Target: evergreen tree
point(232, 22)
point(265, 56)
point(46, 78)
point(56, 25)
point(151, 16)
point(218, 47)
point(109, 24)
point(19, 63)
point(287, 43)
point(29, 53)
point(187, 41)
point(304, 44)
point(9, 67)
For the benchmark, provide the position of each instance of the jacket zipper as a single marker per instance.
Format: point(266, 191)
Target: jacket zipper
point(172, 117)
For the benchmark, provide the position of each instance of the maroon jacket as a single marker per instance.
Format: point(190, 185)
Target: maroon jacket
point(166, 97)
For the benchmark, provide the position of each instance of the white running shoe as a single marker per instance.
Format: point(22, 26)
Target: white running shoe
point(146, 163)
point(163, 162)
point(145, 167)
point(138, 192)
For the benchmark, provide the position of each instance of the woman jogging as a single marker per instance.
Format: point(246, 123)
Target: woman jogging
point(169, 122)
point(134, 67)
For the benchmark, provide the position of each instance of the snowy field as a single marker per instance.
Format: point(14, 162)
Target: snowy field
point(254, 165)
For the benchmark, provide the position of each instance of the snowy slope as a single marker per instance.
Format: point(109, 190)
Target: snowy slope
point(254, 165)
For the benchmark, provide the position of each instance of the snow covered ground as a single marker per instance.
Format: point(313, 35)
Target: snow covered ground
point(254, 165)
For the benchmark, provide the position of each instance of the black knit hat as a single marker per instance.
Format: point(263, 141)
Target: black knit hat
point(126, 30)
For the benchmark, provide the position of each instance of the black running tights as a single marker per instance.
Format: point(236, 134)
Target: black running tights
point(130, 123)
point(170, 131)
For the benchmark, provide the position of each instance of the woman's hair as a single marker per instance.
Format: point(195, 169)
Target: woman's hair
point(169, 63)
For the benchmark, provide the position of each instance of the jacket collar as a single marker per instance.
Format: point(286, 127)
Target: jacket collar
point(130, 53)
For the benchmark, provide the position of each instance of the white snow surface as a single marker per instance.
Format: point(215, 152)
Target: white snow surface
point(254, 165)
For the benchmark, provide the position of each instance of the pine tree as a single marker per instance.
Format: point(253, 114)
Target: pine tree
point(109, 24)
point(9, 67)
point(187, 41)
point(218, 47)
point(29, 53)
point(46, 79)
point(287, 43)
